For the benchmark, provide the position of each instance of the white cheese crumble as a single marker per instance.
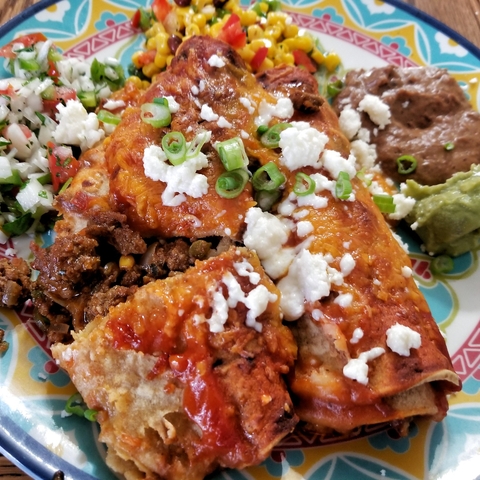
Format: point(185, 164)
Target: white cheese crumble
point(304, 228)
point(301, 146)
point(248, 104)
point(216, 61)
point(180, 180)
point(266, 111)
point(357, 368)
point(208, 114)
point(297, 287)
point(356, 335)
point(350, 122)
point(335, 163)
point(344, 300)
point(76, 126)
point(222, 122)
point(266, 234)
point(113, 104)
point(400, 339)
point(245, 269)
point(377, 110)
point(347, 264)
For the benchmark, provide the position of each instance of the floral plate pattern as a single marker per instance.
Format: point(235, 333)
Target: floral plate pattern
point(366, 33)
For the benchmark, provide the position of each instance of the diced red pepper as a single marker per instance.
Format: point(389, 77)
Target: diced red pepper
point(259, 57)
point(301, 59)
point(26, 40)
point(146, 57)
point(232, 32)
point(161, 8)
point(136, 19)
point(63, 165)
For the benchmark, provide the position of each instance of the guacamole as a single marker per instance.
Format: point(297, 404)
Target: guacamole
point(447, 216)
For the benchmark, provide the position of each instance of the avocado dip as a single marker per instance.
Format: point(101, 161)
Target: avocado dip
point(447, 216)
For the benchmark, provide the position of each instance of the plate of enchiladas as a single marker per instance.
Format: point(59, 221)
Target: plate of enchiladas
point(239, 240)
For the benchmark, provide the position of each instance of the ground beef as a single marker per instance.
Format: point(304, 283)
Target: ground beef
point(428, 111)
point(14, 282)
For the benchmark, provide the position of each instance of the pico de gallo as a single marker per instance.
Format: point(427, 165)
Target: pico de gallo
point(47, 117)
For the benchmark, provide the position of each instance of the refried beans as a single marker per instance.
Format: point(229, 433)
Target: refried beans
point(429, 115)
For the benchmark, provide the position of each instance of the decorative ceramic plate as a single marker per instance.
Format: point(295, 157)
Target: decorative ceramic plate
point(33, 391)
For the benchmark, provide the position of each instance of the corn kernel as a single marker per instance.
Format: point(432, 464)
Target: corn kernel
point(215, 29)
point(151, 43)
point(157, 27)
point(254, 32)
point(317, 56)
point(332, 61)
point(192, 30)
point(266, 65)
point(246, 53)
point(135, 80)
point(274, 32)
point(126, 261)
point(299, 43)
point(160, 60)
point(234, 7)
point(248, 17)
point(145, 84)
point(288, 59)
point(290, 31)
point(162, 43)
point(277, 18)
point(169, 59)
point(150, 70)
point(264, 7)
point(200, 20)
point(199, 4)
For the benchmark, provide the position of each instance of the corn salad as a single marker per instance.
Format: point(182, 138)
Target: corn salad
point(263, 35)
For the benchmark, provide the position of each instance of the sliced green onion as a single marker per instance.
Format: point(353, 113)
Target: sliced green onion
point(232, 154)
point(441, 264)
point(195, 146)
point(156, 114)
point(266, 200)
point(406, 164)
point(54, 55)
point(76, 406)
point(88, 99)
point(334, 88)
point(65, 185)
point(262, 129)
point(231, 184)
point(304, 184)
point(175, 147)
point(271, 137)
point(108, 117)
point(449, 146)
point(362, 176)
point(343, 187)
point(160, 101)
point(384, 202)
point(268, 178)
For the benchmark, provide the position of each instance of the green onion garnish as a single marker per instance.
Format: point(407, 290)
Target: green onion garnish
point(232, 154)
point(406, 164)
point(361, 175)
point(304, 185)
point(195, 146)
point(268, 178)
point(266, 200)
point(108, 117)
point(384, 202)
point(441, 264)
point(262, 129)
point(30, 65)
point(4, 142)
point(175, 147)
point(76, 406)
point(271, 137)
point(334, 88)
point(231, 184)
point(343, 187)
point(449, 146)
point(156, 114)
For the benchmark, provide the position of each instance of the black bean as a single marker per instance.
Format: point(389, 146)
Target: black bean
point(173, 43)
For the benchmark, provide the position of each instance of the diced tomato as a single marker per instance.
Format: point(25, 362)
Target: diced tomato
point(161, 8)
point(60, 94)
point(136, 19)
point(260, 56)
point(63, 165)
point(27, 40)
point(301, 59)
point(232, 32)
point(146, 57)
point(9, 91)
